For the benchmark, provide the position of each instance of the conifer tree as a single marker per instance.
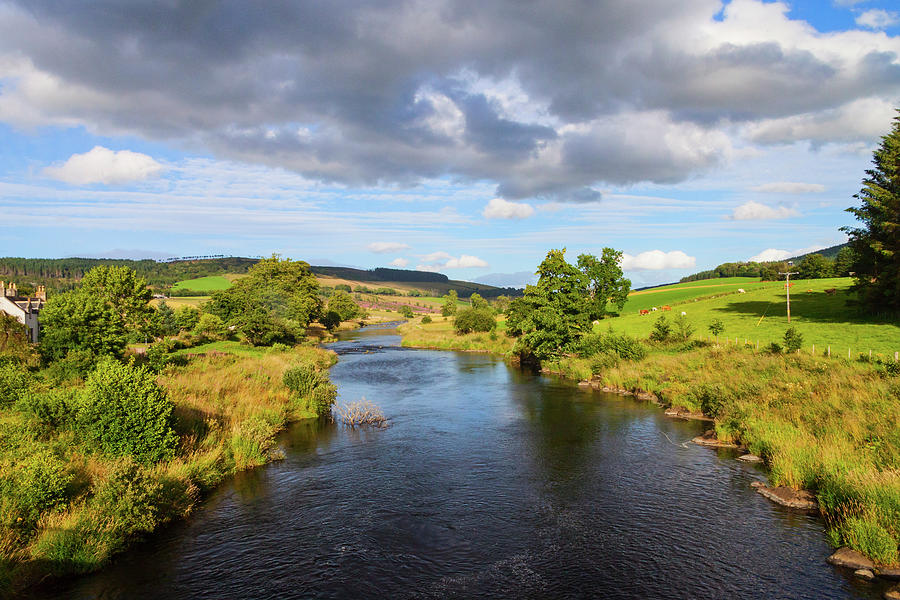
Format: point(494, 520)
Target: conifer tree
point(877, 242)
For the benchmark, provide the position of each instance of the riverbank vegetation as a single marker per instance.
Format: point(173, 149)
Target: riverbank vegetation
point(822, 421)
point(103, 440)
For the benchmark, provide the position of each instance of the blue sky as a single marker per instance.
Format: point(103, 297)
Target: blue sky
point(442, 136)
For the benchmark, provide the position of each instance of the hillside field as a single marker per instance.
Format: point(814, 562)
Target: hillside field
point(760, 314)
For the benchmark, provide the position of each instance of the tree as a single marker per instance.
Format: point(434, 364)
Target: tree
point(164, 320)
point(606, 282)
point(793, 339)
point(343, 306)
point(123, 290)
point(275, 302)
point(662, 331)
point(187, 317)
point(210, 326)
point(474, 319)
point(477, 301)
point(814, 266)
point(716, 328)
point(877, 242)
point(449, 306)
point(76, 321)
point(683, 329)
point(843, 262)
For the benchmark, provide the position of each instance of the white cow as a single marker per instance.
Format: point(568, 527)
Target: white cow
point(683, 314)
point(741, 291)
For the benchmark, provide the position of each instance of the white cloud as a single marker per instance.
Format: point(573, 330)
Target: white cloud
point(442, 260)
point(466, 261)
point(385, 247)
point(102, 165)
point(400, 263)
point(789, 187)
point(655, 260)
point(877, 18)
point(773, 254)
point(754, 211)
point(498, 208)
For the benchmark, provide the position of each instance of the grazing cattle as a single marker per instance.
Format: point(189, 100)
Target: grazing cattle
point(831, 291)
point(667, 307)
point(683, 314)
point(808, 290)
point(741, 291)
point(645, 311)
point(654, 309)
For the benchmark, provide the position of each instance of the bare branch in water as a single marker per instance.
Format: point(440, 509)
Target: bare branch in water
point(358, 414)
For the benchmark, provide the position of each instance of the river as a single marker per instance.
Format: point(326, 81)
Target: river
point(488, 483)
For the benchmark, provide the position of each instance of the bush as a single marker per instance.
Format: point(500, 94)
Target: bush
point(38, 484)
point(160, 354)
point(774, 348)
point(125, 413)
point(187, 317)
point(622, 346)
point(313, 386)
point(662, 331)
point(793, 339)
point(474, 319)
point(15, 382)
point(716, 327)
point(683, 329)
point(406, 311)
point(130, 497)
point(602, 362)
point(53, 409)
point(210, 326)
point(426, 320)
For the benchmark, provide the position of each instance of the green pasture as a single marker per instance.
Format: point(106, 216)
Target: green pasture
point(760, 315)
point(211, 283)
point(681, 292)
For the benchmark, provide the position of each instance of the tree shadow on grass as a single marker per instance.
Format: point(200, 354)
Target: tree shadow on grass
point(811, 306)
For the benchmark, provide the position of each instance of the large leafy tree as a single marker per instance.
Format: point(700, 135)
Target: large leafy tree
point(552, 315)
point(275, 302)
point(877, 242)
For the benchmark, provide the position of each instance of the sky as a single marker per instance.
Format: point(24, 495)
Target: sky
point(456, 136)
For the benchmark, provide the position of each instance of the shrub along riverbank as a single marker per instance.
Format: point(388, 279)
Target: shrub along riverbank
point(75, 489)
point(827, 425)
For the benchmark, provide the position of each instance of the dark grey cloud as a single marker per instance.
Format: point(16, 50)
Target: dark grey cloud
point(611, 91)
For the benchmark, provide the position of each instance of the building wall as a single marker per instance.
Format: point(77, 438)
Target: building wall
point(29, 320)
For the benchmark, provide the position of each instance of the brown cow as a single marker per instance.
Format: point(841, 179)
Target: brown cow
point(667, 307)
point(831, 291)
point(645, 312)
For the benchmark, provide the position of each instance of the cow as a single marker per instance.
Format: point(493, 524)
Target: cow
point(667, 307)
point(831, 290)
point(741, 291)
point(645, 311)
point(654, 309)
point(683, 314)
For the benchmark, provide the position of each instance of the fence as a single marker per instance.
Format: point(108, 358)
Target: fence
point(826, 352)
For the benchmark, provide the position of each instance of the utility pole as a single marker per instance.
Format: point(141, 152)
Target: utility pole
point(787, 286)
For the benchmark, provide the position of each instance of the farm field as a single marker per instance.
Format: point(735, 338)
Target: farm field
point(760, 315)
point(681, 292)
point(211, 283)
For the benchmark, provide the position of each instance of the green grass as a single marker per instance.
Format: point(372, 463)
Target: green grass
point(226, 347)
point(211, 283)
point(682, 292)
point(760, 315)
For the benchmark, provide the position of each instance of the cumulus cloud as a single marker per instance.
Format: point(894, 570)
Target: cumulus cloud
point(437, 261)
point(102, 165)
point(398, 92)
point(789, 187)
point(400, 263)
point(498, 208)
point(655, 260)
point(774, 254)
point(386, 247)
point(877, 18)
point(754, 211)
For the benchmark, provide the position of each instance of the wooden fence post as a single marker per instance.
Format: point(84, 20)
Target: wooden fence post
point(829, 350)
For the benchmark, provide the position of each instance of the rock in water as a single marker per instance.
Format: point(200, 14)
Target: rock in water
point(893, 593)
point(751, 458)
point(864, 574)
point(851, 559)
point(798, 499)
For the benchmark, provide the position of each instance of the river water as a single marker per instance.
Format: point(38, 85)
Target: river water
point(488, 483)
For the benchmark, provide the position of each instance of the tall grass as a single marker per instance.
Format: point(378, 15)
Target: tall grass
point(830, 426)
point(67, 507)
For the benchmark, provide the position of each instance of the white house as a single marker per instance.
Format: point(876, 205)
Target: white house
point(24, 309)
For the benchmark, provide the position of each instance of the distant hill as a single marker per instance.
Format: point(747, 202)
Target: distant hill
point(65, 273)
point(827, 253)
point(755, 269)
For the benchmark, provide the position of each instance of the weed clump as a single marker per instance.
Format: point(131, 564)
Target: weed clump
point(359, 414)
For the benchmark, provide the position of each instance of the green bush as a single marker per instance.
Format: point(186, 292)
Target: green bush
point(125, 413)
point(39, 483)
point(53, 409)
point(601, 362)
point(131, 497)
point(774, 348)
point(622, 346)
point(15, 382)
point(160, 354)
point(210, 326)
point(793, 339)
point(683, 329)
point(426, 319)
point(662, 331)
point(474, 319)
point(406, 311)
point(314, 386)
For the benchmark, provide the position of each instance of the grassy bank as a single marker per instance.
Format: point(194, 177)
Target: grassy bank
point(66, 506)
point(829, 425)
